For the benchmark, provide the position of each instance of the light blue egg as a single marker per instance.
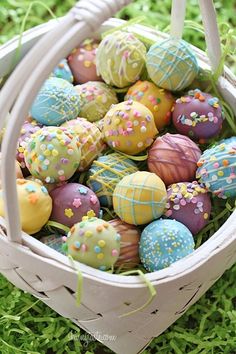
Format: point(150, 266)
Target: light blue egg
point(106, 172)
point(56, 102)
point(171, 64)
point(62, 71)
point(217, 168)
point(164, 242)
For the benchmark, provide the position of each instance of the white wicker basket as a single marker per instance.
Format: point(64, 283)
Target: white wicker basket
point(50, 276)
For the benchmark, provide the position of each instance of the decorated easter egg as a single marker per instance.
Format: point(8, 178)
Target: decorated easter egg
point(129, 244)
point(139, 198)
point(120, 59)
point(171, 64)
point(52, 154)
point(28, 128)
point(106, 172)
point(217, 168)
point(96, 99)
point(173, 157)
point(94, 242)
point(158, 100)
point(62, 71)
point(71, 202)
point(129, 127)
point(35, 205)
point(198, 115)
point(190, 204)
point(90, 138)
point(82, 62)
point(56, 102)
point(164, 242)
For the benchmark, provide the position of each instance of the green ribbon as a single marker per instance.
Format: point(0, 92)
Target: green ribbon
point(150, 287)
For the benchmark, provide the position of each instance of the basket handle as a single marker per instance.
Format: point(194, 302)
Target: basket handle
point(209, 23)
point(84, 18)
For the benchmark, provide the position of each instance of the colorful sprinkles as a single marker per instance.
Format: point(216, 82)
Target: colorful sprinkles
point(98, 245)
point(52, 154)
point(217, 168)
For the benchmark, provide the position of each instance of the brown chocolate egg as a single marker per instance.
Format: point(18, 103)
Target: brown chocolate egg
point(129, 251)
point(82, 62)
point(174, 157)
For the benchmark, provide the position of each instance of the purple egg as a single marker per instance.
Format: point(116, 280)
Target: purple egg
point(198, 115)
point(28, 128)
point(72, 201)
point(190, 204)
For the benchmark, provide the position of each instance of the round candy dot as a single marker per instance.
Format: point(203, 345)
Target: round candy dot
point(101, 243)
point(205, 216)
point(84, 248)
point(225, 162)
point(88, 234)
point(77, 244)
point(114, 253)
point(118, 237)
point(99, 228)
point(97, 249)
point(100, 256)
point(220, 173)
point(216, 164)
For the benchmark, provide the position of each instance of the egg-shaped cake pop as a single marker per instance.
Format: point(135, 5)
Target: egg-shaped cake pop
point(35, 205)
point(129, 244)
point(94, 242)
point(139, 198)
point(62, 71)
point(56, 102)
point(164, 242)
point(90, 138)
point(198, 115)
point(28, 128)
point(82, 62)
point(217, 168)
point(71, 202)
point(52, 154)
point(120, 59)
point(190, 204)
point(129, 127)
point(106, 172)
point(174, 157)
point(158, 100)
point(96, 99)
point(171, 64)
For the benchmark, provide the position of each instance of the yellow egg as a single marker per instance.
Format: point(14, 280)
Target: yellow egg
point(35, 205)
point(140, 198)
point(135, 130)
point(158, 100)
point(90, 138)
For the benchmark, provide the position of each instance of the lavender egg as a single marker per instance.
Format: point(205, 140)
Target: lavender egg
point(198, 115)
point(190, 204)
point(72, 201)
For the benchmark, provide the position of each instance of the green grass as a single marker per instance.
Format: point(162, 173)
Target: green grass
point(27, 325)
